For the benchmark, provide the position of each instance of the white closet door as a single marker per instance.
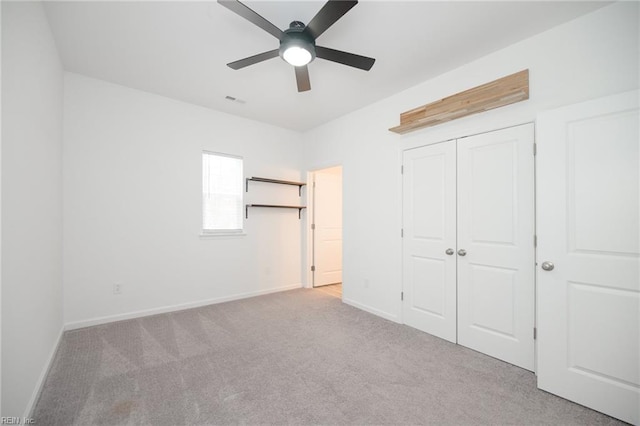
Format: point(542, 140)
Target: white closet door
point(429, 221)
point(588, 227)
point(496, 229)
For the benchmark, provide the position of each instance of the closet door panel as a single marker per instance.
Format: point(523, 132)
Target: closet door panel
point(588, 227)
point(429, 282)
point(495, 205)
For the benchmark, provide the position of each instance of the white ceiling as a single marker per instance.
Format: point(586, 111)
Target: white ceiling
point(180, 49)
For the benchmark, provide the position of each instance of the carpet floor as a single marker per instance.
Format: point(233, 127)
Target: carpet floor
point(296, 357)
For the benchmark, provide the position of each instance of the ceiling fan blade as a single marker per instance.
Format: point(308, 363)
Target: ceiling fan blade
point(302, 78)
point(241, 63)
point(250, 15)
point(345, 58)
point(327, 16)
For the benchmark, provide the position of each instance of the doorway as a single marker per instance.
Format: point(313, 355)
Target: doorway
point(326, 228)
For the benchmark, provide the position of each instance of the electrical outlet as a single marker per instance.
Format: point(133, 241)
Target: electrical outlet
point(366, 283)
point(117, 288)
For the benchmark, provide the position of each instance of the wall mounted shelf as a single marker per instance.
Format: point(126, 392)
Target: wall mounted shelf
point(277, 206)
point(277, 181)
point(274, 206)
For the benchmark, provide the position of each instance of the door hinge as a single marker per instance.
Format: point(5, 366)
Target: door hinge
point(313, 226)
point(535, 333)
point(535, 241)
point(401, 233)
point(313, 268)
point(535, 149)
point(402, 170)
point(402, 295)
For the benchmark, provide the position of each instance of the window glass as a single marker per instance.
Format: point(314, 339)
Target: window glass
point(221, 193)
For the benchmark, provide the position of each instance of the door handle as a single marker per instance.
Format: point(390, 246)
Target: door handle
point(548, 266)
point(462, 252)
point(449, 251)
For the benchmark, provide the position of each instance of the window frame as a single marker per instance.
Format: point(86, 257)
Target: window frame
point(208, 233)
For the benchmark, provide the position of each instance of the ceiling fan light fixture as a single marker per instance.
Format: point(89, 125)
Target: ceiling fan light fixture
point(296, 47)
point(298, 42)
point(297, 56)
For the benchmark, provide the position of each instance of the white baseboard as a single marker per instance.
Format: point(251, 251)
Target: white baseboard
point(28, 412)
point(374, 311)
point(171, 308)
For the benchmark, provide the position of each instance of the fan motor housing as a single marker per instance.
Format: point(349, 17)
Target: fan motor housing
point(295, 36)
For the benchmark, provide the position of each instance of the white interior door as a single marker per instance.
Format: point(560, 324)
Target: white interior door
point(327, 236)
point(429, 226)
point(588, 304)
point(496, 253)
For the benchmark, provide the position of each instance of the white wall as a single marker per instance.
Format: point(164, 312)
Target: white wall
point(32, 86)
point(589, 57)
point(132, 205)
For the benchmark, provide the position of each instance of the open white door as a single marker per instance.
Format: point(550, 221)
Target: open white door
point(495, 244)
point(588, 254)
point(429, 226)
point(327, 224)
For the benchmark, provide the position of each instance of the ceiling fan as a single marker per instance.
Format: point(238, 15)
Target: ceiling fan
point(298, 42)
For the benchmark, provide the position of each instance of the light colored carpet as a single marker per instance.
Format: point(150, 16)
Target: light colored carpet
point(297, 357)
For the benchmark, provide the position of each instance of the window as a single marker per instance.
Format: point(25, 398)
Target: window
point(221, 193)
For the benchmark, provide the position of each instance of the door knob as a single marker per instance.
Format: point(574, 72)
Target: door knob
point(449, 251)
point(548, 266)
point(462, 252)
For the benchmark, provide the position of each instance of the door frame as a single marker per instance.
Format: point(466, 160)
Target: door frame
point(310, 219)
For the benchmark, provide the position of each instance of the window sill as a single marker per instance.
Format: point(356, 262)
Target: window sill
point(223, 235)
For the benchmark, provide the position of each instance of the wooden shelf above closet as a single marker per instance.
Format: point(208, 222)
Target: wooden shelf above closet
point(504, 91)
